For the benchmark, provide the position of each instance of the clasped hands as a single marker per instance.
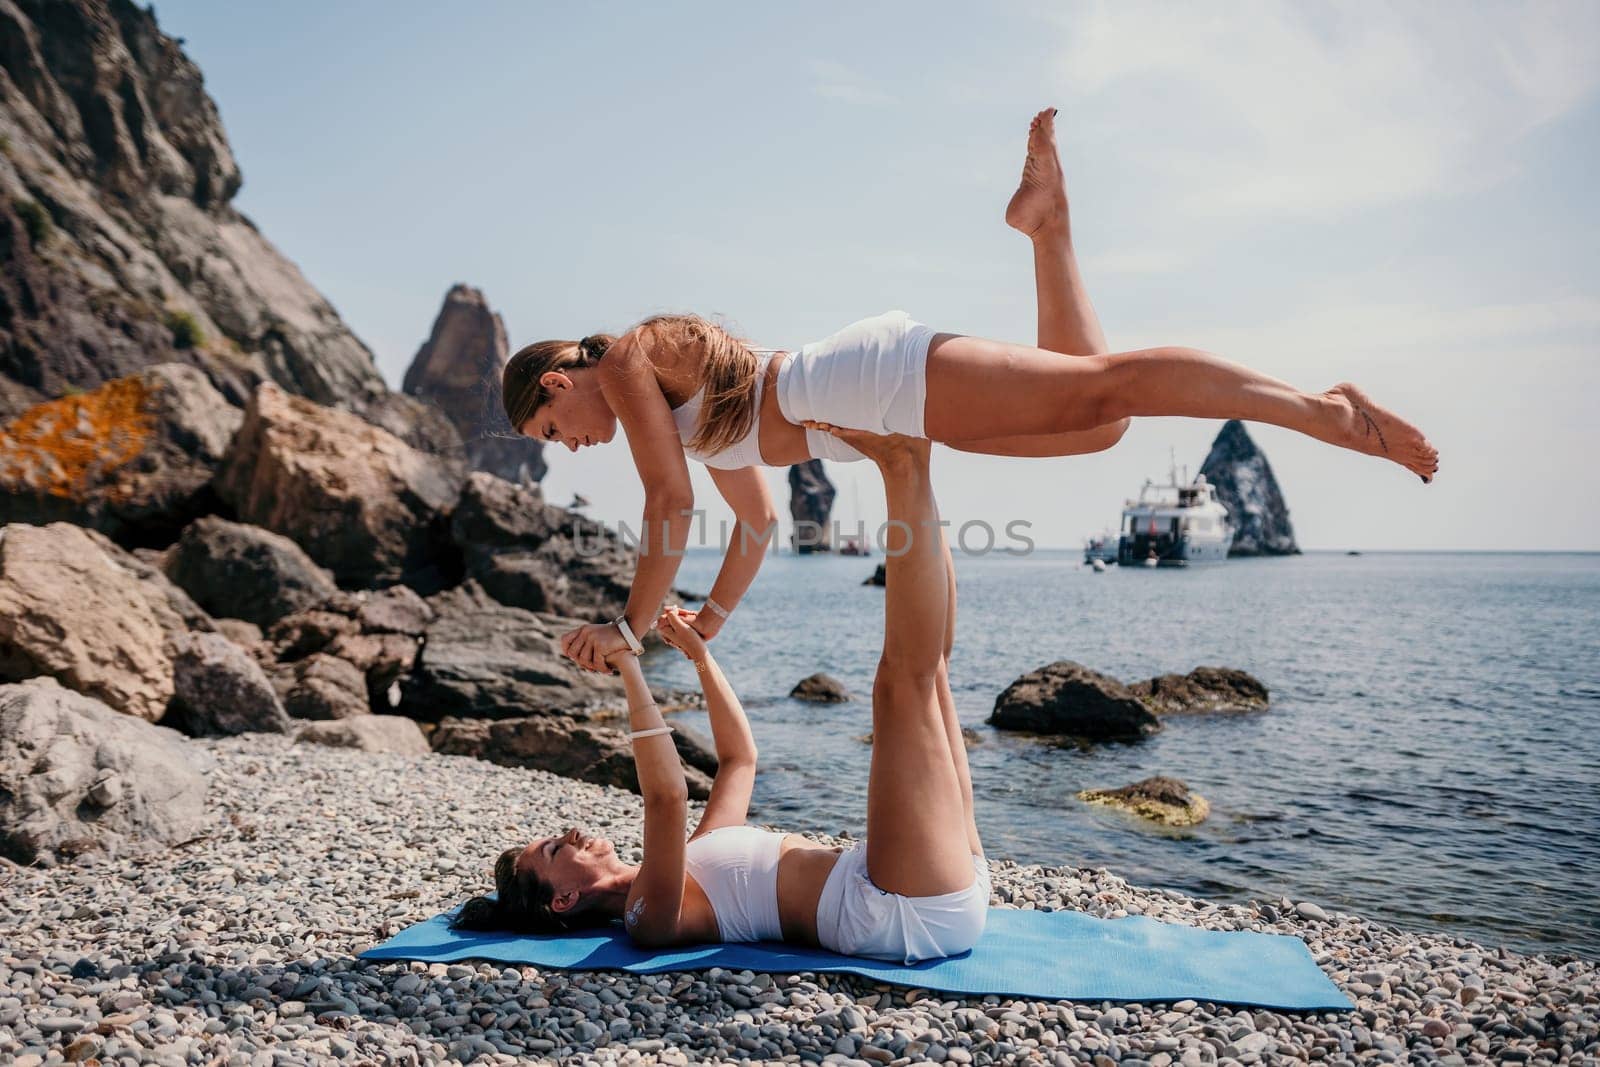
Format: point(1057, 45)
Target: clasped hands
point(594, 645)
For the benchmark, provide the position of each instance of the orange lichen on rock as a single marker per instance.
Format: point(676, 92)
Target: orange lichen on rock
point(67, 446)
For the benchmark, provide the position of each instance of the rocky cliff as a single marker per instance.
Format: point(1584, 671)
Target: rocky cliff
point(119, 245)
point(457, 370)
point(1245, 484)
point(810, 504)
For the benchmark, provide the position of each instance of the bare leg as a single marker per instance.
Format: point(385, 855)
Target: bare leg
point(980, 389)
point(917, 841)
point(1067, 321)
point(947, 707)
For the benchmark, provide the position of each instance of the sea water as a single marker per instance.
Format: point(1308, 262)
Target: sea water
point(1431, 757)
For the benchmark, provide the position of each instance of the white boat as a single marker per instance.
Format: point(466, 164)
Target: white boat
point(1102, 547)
point(1175, 524)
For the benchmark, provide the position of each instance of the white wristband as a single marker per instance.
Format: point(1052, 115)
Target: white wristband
point(718, 608)
point(627, 635)
point(652, 732)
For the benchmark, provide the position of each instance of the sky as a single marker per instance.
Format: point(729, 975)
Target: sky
point(1395, 195)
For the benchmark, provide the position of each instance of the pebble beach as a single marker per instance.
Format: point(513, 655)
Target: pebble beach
point(240, 946)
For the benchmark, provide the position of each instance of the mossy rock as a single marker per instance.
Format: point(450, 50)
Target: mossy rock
point(1166, 801)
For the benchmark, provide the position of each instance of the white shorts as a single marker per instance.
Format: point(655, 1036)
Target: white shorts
point(871, 375)
point(856, 918)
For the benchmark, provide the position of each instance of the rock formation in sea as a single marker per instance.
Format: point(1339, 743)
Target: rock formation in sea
point(1167, 801)
point(1245, 485)
point(1203, 691)
point(821, 688)
point(119, 243)
point(458, 371)
point(1070, 699)
point(810, 504)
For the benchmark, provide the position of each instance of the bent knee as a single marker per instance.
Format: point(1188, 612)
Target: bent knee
point(1108, 435)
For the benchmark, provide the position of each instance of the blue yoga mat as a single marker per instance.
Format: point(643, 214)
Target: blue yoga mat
point(1056, 955)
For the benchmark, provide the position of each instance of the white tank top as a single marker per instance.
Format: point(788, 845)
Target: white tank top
point(737, 869)
point(745, 452)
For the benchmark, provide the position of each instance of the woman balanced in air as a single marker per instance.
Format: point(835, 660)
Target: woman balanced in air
point(683, 388)
point(916, 888)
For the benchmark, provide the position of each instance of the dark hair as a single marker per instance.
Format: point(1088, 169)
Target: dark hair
point(521, 904)
point(728, 374)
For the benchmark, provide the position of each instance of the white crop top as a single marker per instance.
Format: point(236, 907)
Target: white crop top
point(737, 869)
point(745, 452)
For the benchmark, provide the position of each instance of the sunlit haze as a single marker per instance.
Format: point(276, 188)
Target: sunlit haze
point(1400, 196)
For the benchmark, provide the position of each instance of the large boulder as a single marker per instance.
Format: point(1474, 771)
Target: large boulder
point(219, 689)
point(573, 749)
point(133, 458)
point(1069, 698)
point(359, 500)
point(77, 777)
point(810, 505)
point(458, 371)
point(532, 555)
point(367, 733)
point(1166, 801)
point(74, 612)
point(245, 572)
point(1246, 486)
point(481, 658)
point(1204, 690)
point(325, 687)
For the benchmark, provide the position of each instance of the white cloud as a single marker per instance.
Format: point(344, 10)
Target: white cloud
point(1289, 110)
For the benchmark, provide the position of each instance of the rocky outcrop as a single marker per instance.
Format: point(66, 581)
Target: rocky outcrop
point(77, 777)
point(1161, 800)
point(532, 555)
point(119, 245)
point(132, 458)
point(821, 688)
point(359, 500)
point(457, 370)
point(322, 686)
point(482, 659)
point(368, 733)
point(245, 572)
point(74, 612)
point(810, 506)
point(1246, 486)
point(219, 689)
point(1204, 690)
point(1069, 698)
point(572, 749)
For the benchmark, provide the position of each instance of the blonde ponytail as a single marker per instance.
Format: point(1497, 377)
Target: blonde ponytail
point(728, 377)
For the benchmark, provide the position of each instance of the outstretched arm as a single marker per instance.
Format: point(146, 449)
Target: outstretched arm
point(729, 803)
point(630, 387)
point(746, 492)
point(656, 899)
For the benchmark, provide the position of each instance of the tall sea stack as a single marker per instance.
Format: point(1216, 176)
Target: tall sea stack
point(810, 505)
point(1245, 484)
point(458, 371)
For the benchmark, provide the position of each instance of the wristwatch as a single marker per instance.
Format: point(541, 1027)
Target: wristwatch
point(634, 646)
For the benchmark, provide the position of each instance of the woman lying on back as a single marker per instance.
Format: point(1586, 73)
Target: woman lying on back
point(916, 888)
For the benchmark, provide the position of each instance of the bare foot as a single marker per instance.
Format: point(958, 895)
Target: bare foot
point(1366, 427)
point(1040, 202)
point(895, 451)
